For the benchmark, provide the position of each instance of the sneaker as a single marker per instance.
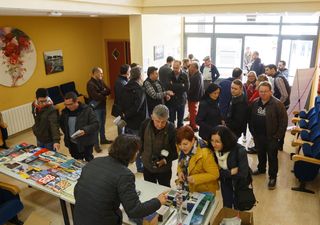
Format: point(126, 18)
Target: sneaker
point(252, 150)
point(97, 148)
point(257, 172)
point(272, 183)
point(105, 141)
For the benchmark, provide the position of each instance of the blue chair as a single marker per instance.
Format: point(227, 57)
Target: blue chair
point(10, 204)
point(67, 87)
point(55, 95)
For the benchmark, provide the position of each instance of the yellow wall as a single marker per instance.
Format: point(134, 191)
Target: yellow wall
point(81, 41)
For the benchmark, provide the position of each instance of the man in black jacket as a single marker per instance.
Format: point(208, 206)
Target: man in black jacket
point(46, 125)
point(256, 66)
point(268, 123)
point(80, 126)
point(158, 137)
point(179, 84)
point(98, 92)
point(195, 93)
point(118, 89)
point(165, 72)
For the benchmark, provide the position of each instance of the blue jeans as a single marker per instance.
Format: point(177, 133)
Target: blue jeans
point(46, 145)
point(101, 117)
point(139, 163)
point(176, 111)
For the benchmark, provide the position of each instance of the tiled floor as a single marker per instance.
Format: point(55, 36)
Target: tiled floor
point(277, 207)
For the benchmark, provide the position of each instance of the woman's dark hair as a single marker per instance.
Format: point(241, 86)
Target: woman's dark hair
point(184, 132)
point(124, 148)
point(211, 88)
point(228, 138)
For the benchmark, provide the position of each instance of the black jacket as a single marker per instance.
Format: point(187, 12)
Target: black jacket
point(104, 184)
point(179, 87)
point(98, 91)
point(46, 125)
point(208, 117)
point(86, 120)
point(118, 90)
point(237, 115)
point(134, 104)
point(257, 67)
point(196, 89)
point(164, 75)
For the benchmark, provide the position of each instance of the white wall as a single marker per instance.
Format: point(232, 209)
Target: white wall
point(160, 30)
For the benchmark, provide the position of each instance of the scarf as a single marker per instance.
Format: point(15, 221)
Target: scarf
point(222, 159)
point(37, 108)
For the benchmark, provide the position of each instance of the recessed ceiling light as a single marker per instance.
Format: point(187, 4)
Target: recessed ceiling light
point(93, 15)
point(55, 13)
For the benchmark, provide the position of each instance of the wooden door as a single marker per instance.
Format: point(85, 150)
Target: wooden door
point(118, 53)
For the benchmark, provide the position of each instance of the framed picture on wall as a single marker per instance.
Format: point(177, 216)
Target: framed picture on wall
point(158, 52)
point(53, 61)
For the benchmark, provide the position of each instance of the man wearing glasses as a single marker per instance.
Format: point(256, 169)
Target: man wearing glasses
point(46, 126)
point(80, 126)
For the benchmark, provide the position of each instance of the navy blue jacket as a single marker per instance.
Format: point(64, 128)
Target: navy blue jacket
point(214, 72)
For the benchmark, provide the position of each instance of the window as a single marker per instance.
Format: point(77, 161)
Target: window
point(247, 29)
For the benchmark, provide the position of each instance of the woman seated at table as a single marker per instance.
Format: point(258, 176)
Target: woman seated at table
point(197, 170)
point(105, 182)
point(233, 162)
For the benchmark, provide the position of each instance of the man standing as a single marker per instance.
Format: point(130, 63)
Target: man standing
point(209, 71)
point(282, 69)
point(80, 126)
point(281, 89)
point(46, 126)
point(158, 146)
point(179, 84)
point(165, 72)
point(195, 93)
point(98, 92)
point(257, 66)
point(268, 122)
point(281, 85)
point(121, 81)
point(155, 93)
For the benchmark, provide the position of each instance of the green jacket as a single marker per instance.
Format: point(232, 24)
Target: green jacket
point(46, 126)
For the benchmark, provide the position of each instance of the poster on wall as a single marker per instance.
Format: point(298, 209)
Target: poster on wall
point(53, 61)
point(17, 57)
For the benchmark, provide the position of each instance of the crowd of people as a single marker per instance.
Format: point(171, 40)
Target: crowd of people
point(220, 112)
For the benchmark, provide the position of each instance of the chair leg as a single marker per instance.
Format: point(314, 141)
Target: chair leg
point(15, 220)
point(302, 188)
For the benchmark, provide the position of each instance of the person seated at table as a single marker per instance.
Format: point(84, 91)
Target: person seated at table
point(107, 182)
point(3, 133)
point(233, 162)
point(197, 169)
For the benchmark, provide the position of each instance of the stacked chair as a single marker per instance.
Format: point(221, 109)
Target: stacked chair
point(307, 157)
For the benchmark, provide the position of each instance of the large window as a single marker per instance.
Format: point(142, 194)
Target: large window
point(226, 39)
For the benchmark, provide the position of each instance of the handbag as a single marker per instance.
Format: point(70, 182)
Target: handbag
point(245, 198)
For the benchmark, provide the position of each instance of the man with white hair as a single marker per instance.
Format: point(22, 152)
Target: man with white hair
point(158, 150)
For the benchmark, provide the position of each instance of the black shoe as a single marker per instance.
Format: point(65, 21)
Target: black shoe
point(16, 221)
point(252, 150)
point(105, 141)
point(4, 146)
point(272, 183)
point(257, 172)
point(97, 148)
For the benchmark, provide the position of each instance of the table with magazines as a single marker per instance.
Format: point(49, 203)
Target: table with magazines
point(57, 175)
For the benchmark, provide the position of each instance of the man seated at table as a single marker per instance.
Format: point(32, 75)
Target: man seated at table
point(80, 126)
point(158, 150)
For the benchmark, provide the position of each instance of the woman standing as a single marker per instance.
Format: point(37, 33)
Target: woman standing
point(197, 170)
point(233, 163)
point(105, 182)
point(250, 85)
point(209, 113)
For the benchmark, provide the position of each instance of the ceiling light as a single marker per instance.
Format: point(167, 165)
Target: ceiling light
point(93, 15)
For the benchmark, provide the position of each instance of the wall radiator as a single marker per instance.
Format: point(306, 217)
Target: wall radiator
point(18, 118)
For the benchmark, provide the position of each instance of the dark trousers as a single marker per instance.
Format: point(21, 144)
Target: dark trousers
point(86, 154)
point(267, 150)
point(176, 112)
point(101, 117)
point(139, 163)
point(227, 193)
point(162, 178)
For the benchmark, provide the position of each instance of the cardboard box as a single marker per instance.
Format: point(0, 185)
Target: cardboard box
point(246, 217)
point(36, 219)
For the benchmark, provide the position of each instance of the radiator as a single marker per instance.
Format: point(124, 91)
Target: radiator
point(18, 118)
